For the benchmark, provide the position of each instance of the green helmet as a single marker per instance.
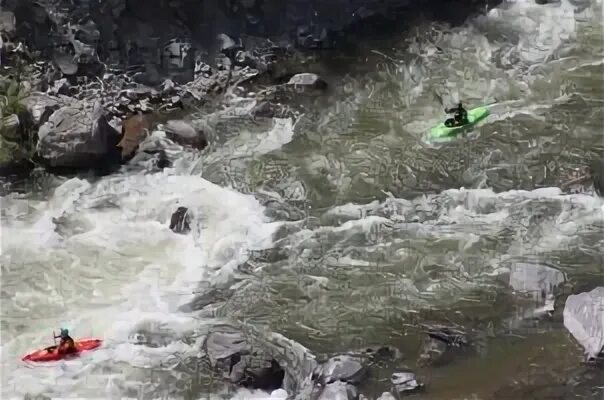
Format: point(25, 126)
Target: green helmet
point(64, 332)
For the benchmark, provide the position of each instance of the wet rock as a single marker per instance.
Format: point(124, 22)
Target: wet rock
point(596, 171)
point(584, 319)
point(343, 368)
point(162, 160)
point(307, 83)
point(231, 352)
point(41, 106)
point(336, 391)
point(405, 382)
point(181, 221)
point(184, 133)
point(78, 136)
point(433, 352)
point(441, 344)
point(450, 336)
point(381, 353)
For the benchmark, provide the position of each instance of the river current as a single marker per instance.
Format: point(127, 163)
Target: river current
point(340, 228)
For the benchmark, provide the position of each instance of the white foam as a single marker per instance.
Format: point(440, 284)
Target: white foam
point(126, 269)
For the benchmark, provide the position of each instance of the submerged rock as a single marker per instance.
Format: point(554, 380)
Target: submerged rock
point(405, 382)
point(181, 221)
point(584, 319)
point(337, 391)
point(441, 344)
point(343, 368)
point(450, 336)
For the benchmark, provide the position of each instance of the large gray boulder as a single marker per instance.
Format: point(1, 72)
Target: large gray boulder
point(78, 136)
point(584, 319)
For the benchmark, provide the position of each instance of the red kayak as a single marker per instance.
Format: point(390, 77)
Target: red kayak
point(51, 353)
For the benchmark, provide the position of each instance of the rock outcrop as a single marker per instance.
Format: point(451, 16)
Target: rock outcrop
point(584, 319)
point(79, 136)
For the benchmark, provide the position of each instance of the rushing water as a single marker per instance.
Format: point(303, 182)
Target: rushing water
point(355, 229)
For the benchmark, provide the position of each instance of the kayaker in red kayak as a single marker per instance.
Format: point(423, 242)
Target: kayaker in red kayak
point(67, 344)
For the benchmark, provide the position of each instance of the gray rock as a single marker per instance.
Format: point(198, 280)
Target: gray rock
point(584, 319)
point(341, 368)
point(180, 128)
point(241, 361)
point(338, 391)
point(41, 106)
point(386, 396)
point(405, 382)
point(307, 83)
point(184, 133)
point(78, 136)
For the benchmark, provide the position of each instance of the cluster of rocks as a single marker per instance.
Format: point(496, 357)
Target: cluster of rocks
point(270, 362)
point(86, 122)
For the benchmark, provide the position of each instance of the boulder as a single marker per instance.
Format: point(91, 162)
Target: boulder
point(184, 133)
point(405, 382)
point(337, 391)
point(78, 136)
point(596, 170)
point(307, 83)
point(584, 319)
point(181, 221)
point(343, 368)
point(229, 351)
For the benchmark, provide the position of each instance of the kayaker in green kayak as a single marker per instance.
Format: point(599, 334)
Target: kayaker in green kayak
point(460, 116)
point(66, 345)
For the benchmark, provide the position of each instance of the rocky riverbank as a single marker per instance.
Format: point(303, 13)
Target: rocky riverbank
point(88, 67)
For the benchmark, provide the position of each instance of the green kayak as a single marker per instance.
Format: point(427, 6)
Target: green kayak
point(475, 115)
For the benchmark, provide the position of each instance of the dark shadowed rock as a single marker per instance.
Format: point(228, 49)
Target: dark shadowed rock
point(450, 336)
point(405, 382)
point(229, 351)
point(584, 319)
point(441, 344)
point(180, 221)
point(343, 368)
point(596, 170)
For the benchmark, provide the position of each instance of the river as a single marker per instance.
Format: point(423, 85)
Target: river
point(370, 230)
